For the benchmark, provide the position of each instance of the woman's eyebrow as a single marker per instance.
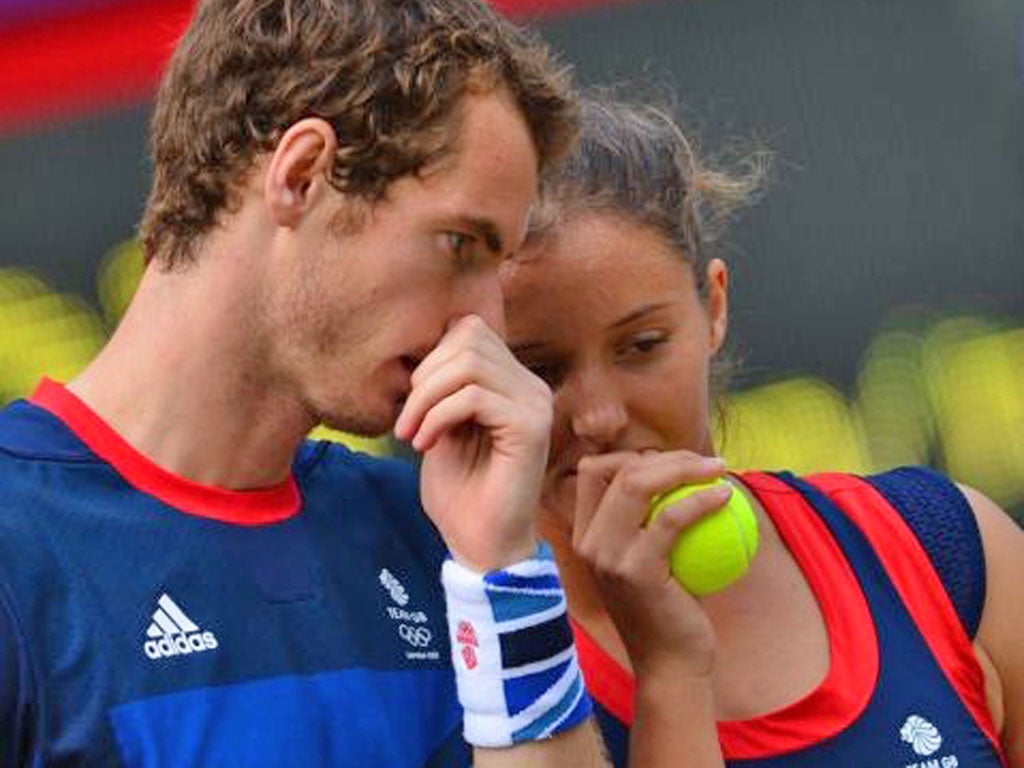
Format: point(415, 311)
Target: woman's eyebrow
point(636, 314)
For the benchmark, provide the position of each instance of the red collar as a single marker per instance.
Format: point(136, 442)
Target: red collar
point(257, 507)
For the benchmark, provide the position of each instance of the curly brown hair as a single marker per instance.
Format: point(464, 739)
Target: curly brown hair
point(387, 75)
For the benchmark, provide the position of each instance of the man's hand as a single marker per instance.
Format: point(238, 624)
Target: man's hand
point(482, 422)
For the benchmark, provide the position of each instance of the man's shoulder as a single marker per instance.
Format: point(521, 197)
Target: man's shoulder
point(47, 476)
point(366, 493)
point(30, 433)
point(336, 464)
point(35, 448)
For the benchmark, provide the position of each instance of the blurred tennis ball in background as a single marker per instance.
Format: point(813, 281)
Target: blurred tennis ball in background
point(715, 551)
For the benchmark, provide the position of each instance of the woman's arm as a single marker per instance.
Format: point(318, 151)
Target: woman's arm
point(674, 721)
point(582, 747)
point(1001, 633)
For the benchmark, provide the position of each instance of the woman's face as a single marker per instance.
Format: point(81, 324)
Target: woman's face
point(609, 315)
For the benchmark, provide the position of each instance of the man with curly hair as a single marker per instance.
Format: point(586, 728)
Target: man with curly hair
point(184, 579)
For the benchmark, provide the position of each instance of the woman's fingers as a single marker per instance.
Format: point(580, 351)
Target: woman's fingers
point(593, 476)
point(617, 508)
point(656, 542)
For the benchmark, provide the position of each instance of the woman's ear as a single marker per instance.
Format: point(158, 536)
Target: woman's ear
point(297, 170)
point(718, 302)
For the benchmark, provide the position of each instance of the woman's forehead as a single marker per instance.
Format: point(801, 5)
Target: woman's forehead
point(588, 279)
point(595, 249)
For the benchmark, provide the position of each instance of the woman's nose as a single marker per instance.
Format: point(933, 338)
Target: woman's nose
point(598, 413)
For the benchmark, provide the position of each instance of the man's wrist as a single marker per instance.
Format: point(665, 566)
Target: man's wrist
point(495, 559)
point(512, 649)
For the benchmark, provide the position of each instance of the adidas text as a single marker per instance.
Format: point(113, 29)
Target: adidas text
point(178, 645)
point(172, 633)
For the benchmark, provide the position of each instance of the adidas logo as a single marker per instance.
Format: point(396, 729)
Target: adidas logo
point(172, 633)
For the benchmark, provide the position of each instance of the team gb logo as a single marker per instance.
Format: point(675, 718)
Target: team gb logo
point(921, 735)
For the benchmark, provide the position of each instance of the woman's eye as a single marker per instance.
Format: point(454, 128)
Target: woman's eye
point(643, 344)
point(647, 343)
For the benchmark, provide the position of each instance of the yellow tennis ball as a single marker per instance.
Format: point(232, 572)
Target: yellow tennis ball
point(715, 551)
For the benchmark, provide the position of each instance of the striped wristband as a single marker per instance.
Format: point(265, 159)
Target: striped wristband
point(515, 663)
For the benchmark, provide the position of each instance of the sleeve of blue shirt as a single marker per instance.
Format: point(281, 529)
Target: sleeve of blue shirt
point(16, 696)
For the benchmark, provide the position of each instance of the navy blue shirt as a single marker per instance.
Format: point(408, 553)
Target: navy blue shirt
point(147, 620)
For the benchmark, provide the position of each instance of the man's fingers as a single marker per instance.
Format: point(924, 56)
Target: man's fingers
point(468, 333)
point(472, 403)
point(471, 354)
point(465, 369)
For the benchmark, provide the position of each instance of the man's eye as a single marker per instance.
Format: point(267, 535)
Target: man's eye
point(460, 245)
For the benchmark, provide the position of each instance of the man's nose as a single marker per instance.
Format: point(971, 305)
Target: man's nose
point(481, 296)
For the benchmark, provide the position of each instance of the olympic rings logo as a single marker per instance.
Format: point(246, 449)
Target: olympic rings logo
point(418, 637)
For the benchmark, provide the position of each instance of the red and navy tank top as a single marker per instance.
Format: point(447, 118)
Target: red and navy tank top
point(896, 565)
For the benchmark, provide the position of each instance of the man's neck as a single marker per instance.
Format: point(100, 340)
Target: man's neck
point(184, 380)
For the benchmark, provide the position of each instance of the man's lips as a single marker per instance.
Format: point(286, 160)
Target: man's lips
point(410, 362)
point(565, 472)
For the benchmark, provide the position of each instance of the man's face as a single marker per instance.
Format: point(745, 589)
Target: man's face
point(350, 323)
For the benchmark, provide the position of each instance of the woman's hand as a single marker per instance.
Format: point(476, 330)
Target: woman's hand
point(668, 636)
point(658, 620)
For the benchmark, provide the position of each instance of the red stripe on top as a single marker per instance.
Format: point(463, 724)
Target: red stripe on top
point(258, 507)
point(607, 681)
point(853, 645)
point(920, 588)
point(60, 67)
point(524, 10)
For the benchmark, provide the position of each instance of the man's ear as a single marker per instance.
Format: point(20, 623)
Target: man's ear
point(718, 302)
point(296, 173)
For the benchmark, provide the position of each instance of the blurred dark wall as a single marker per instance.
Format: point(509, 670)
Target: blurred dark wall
point(899, 129)
point(69, 193)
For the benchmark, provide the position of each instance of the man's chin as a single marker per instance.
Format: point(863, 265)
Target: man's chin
point(365, 424)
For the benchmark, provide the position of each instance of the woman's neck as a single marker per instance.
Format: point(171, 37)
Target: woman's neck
point(582, 594)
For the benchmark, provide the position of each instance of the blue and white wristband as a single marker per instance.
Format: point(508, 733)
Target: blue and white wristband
point(515, 662)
